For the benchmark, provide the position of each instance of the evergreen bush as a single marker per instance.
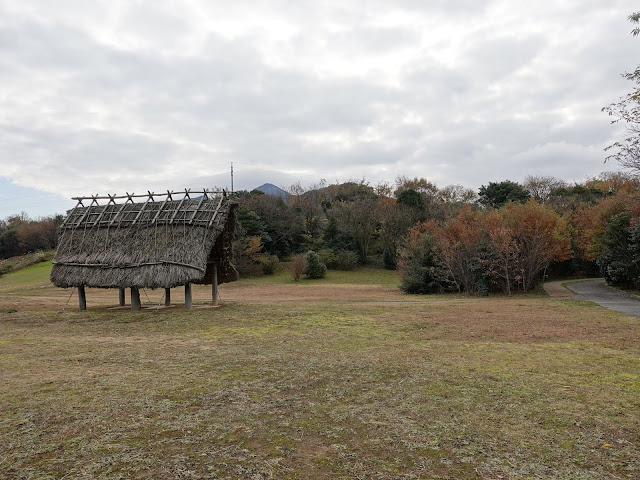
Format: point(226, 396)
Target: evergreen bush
point(315, 268)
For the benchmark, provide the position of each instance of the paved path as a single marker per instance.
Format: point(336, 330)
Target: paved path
point(597, 291)
point(557, 290)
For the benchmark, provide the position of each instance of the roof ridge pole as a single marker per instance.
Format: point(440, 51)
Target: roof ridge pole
point(98, 197)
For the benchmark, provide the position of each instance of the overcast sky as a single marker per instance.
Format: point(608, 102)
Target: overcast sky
point(109, 96)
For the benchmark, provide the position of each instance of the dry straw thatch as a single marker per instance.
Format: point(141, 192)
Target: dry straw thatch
point(156, 244)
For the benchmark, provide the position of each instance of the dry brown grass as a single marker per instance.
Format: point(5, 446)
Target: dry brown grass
point(317, 381)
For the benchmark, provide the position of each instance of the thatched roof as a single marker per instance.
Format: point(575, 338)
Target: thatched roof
point(158, 243)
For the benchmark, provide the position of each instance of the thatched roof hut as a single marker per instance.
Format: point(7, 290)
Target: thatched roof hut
point(160, 243)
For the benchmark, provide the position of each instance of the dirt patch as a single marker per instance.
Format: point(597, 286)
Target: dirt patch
point(305, 293)
point(516, 320)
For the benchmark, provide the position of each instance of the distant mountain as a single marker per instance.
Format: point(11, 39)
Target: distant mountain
point(271, 189)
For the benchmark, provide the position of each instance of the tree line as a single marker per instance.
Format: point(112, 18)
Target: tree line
point(20, 234)
point(506, 237)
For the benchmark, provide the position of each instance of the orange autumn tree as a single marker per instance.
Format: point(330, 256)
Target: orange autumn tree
point(541, 236)
point(594, 222)
point(479, 251)
point(460, 250)
point(504, 249)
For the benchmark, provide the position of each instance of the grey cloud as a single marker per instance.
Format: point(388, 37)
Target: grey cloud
point(432, 82)
point(376, 40)
point(494, 58)
point(128, 117)
point(84, 153)
point(465, 8)
point(561, 158)
point(162, 21)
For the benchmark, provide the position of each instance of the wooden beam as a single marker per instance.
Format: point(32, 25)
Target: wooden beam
point(198, 208)
point(86, 212)
point(82, 298)
point(118, 213)
point(142, 209)
point(213, 218)
point(121, 297)
point(169, 198)
point(68, 217)
point(214, 286)
point(167, 297)
point(177, 210)
point(188, 301)
point(135, 299)
point(97, 220)
point(127, 265)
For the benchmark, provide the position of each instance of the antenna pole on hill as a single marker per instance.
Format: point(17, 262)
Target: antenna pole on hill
point(231, 177)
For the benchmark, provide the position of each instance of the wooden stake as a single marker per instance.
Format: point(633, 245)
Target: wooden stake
point(135, 299)
point(82, 298)
point(214, 286)
point(187, 296)
point(167, 297)
point(121, 296)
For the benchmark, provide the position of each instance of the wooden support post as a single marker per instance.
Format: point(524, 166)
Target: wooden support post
point(187, 296)
point(82, 298)
point(121, 296)
point(167, 297)
point(135, 299)
point(214, 286)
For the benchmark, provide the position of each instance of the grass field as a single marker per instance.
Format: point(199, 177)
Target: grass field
point(344, 378)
